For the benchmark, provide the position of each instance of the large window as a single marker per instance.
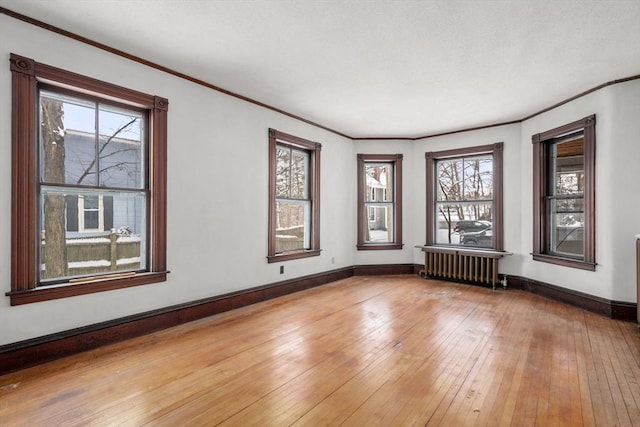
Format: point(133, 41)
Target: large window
point(563, 188)
point(379, 201)
point(89, 184)
point(294, 197)
point(464, 197)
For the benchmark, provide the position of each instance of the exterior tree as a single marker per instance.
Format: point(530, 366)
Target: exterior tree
point(52, 136)
point(54, 247)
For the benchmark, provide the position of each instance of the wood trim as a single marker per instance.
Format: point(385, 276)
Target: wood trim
point(158, 178)
point(498, 194)
point(360, 212)
point(618, 310)
point(24, 232)
point(396, 159)
point(541, 143)
point(382, 269)
point(434, 135)
point(150, 64)
point(158, 67)
point(580, 95)
point(69, 290)
point(34, 351)
point(26, 76)
point(314, 149)
point(466, 151)
point(430, 218)
point(22, 354)
point(379, 246)
point(496, 150)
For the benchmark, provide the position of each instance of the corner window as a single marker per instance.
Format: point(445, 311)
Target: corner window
point(379, 201)
point(564, 186)
point(294, 200)
point(464, 197)
point(89, 186)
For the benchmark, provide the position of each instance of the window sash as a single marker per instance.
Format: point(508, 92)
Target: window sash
point(565, 236)
point(379, 201)
point(28, 78)
point(491, 198)
point(459, 202)
point(301, 188)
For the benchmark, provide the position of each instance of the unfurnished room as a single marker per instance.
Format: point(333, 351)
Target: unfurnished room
point(319, 212)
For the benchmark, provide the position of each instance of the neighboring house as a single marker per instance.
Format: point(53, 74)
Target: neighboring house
point(119, 166)
point(377, 191)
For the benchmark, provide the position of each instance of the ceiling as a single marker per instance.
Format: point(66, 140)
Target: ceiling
point(376, 68)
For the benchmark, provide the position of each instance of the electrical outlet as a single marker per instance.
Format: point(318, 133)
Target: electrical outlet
point(282, 269)
point(333, 260)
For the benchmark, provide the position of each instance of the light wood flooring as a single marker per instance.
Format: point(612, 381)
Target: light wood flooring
point(364, 351)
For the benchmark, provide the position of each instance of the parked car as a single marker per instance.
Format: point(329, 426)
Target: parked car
point(483, 238)
point(466, 226)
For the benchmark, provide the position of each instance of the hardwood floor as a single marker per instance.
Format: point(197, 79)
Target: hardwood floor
point(382, 350)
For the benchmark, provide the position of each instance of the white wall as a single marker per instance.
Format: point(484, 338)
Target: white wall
point(617, 110)
point(218, 198)
point(217, 191)
point(404, 256)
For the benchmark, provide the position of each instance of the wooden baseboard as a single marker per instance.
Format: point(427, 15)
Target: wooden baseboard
point(375, 270)
point(38, 350)
point(618, 310)
point(35, 351)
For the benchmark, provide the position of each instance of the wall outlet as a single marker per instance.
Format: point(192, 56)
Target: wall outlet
point(333, 260)
point(282, 269)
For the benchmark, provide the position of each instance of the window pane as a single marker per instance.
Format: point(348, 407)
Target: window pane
point(449, 174)
point(299, 173)
point(121, 148)
point(66, 251)
point(292, 225)
point(91, 212)
point(283, 171)
point(379, 220)
point(379, 182)
point(67, 140)
point(467, 223)
point(478, 178)
point(567, 226)
point(567, 172)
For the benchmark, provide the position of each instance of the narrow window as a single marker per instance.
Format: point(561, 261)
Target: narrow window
point(379, 201)
point(95, 166)
point(294, 202)
point(564, 183)
point(464, 197)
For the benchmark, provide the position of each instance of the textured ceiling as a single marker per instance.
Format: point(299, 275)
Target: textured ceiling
point(374, 68)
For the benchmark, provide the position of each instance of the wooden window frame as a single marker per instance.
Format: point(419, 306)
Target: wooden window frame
point(396, 160)
point(314, 149)
point(27, 75)
point(541, 142)
point(496, 150)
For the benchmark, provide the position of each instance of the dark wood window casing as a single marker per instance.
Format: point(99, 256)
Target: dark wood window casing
point(542, 143)
point(496, 150)
point(27, 76)
point(395, 160)
point(313, 149)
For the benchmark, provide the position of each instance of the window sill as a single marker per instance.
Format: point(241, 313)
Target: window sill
point(293, 255)
point(379, 247)
point(565, 262)
point(82, 288)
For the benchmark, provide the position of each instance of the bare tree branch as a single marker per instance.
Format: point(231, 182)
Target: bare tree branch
point(87, 171)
